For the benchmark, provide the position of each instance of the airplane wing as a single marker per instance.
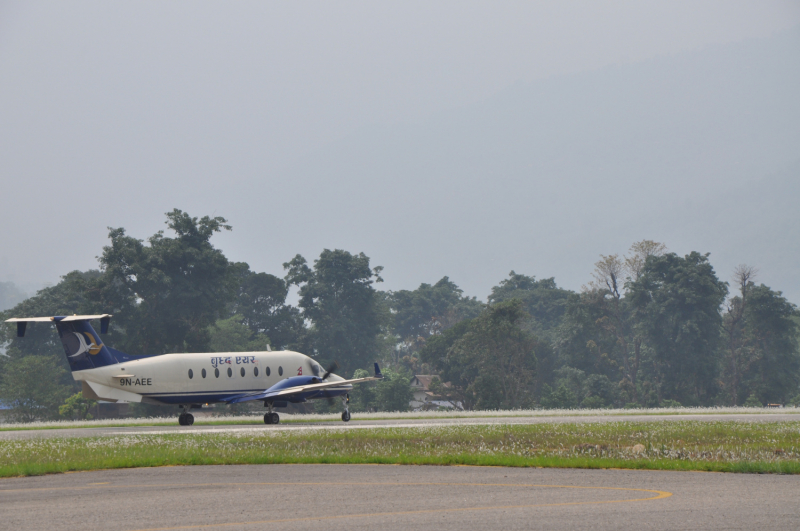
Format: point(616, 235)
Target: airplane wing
point(299, 389)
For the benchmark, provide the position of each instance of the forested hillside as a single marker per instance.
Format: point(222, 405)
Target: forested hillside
point(650, 328)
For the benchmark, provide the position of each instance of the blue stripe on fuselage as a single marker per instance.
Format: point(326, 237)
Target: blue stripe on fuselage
point(219, 396)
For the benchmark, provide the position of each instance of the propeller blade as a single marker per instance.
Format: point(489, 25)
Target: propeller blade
point(332, 367)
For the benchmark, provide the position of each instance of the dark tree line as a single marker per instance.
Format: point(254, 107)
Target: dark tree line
point(651, 328)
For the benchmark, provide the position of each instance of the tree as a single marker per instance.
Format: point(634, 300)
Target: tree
point(678, 301)
point(429, 309)
point(261, 303)
point(76, 407)
point(542, 299)
point(31, 386)
point(494, 361)
point(393, 393)
point(166, 294)
point(561, 398)
point(426, 312)
point(582, 341)
point(738, 354)
point(72, 295)
point(771, 335)
point(345, 311)
point(618, 316)
point(230, 335)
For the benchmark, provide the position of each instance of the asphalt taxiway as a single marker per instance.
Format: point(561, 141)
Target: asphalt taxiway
point(394, 498)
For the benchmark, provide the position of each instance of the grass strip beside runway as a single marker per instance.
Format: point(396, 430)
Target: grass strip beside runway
point(725, 446)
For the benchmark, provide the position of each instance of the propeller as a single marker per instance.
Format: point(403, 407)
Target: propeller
point(332, 367)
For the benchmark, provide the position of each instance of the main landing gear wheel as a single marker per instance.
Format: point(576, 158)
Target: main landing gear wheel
point(271, 418)
point(186, 419)
point(346, 412)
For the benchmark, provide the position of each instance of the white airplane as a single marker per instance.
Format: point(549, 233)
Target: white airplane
point(191, 380)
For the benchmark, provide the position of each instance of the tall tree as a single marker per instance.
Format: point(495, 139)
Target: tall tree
point(168, 293)
point(261, 304)
point(31, 386)
point(429, 309)
point(425, 312)
point(607, 293)
point(74, 294)
point(346, 313)
point(542, 299)
point(738, 353)
point(771, 333)
point(492, 364)
point(679, 301)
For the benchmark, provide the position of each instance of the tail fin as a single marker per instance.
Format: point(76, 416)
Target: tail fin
point(378, 371)
point(82, 345)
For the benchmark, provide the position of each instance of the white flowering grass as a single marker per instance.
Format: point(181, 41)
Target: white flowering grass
point(448, 414)
point(732, 446)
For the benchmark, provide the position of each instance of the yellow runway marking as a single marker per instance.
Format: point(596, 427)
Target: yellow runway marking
point(658, 494)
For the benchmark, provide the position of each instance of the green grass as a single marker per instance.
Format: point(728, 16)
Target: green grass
point(722, 446)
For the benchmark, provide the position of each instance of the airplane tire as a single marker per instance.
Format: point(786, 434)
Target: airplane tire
point(346, 416)
point(267, 418)
point(275, 418)
point(182, 420)
point(189, 419)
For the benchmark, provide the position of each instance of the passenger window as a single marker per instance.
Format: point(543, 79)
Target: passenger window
point(280, 371)
point(230, 372)
point(216, 373)
point(190, 374)
point(255, 372)
point(242, 372)
point(267, 371)
point(203, 373)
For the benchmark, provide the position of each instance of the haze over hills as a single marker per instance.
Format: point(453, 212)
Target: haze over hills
point(699, 150)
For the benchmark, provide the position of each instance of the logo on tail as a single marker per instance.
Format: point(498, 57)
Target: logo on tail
point(76, 344)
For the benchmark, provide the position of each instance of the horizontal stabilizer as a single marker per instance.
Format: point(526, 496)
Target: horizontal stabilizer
point(23, 321)
point(62, 318)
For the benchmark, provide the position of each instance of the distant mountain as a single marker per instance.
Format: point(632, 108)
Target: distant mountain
point(699, 150)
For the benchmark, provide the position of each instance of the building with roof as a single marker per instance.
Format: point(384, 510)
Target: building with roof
point(424, 398)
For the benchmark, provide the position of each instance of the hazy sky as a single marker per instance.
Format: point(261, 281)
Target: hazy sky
point(113, 113)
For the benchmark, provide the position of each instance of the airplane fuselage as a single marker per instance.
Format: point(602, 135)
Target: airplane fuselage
point(200, 378)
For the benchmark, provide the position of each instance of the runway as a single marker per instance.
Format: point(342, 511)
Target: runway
point(391, 423)
point(395, 498)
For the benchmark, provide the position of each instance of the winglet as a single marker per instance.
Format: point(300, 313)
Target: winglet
point(378, 371)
